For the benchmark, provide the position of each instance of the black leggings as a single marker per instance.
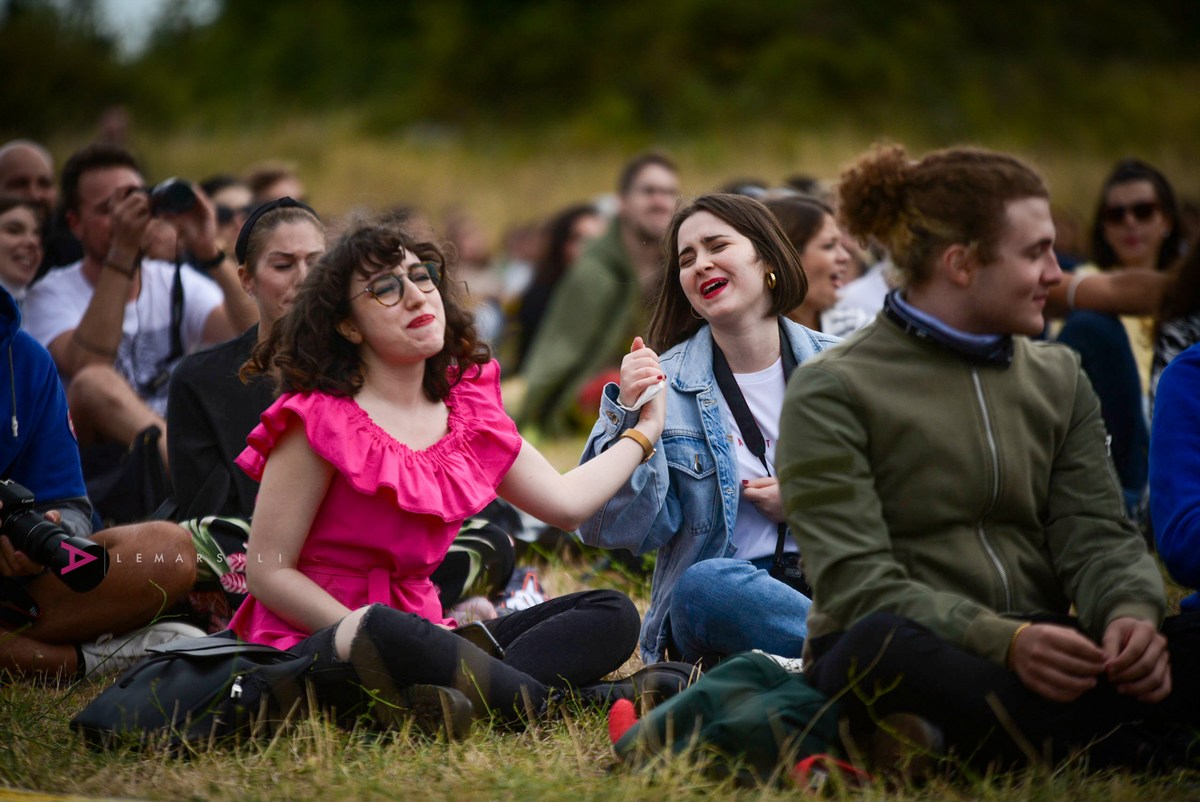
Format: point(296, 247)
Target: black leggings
point(571, 640)
point(903, 667)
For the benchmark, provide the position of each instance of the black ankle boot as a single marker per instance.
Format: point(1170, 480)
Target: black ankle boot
point(431, 708)
point(646, 688)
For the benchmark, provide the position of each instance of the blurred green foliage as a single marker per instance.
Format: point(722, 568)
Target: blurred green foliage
point(1101, 73)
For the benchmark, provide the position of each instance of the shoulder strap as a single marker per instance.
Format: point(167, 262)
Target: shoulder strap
point(751, 433)
point(163, 374)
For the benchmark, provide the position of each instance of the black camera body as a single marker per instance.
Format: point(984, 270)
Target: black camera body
point(173, 196)
point(787, 569)
point(79, 562)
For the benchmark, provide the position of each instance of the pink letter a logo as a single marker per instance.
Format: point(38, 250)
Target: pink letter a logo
point(78, 558)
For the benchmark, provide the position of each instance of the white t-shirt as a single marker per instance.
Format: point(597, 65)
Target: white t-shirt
point(56, 305)
point(753, 533)
point(868, 291)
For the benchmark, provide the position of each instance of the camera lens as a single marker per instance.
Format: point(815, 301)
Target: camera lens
point(173, 196)
point(79, 562)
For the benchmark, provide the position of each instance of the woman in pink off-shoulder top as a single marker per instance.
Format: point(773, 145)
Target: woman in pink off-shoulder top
point(388, 433)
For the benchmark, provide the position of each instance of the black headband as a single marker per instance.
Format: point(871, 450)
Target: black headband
point(270, 206)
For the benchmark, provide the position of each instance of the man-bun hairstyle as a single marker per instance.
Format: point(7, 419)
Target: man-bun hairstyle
point(915, 209)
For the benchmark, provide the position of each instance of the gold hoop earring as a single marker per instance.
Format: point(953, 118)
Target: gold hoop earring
point(771, 280)
point(692, 309)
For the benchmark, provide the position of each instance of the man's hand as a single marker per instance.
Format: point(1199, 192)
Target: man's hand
point(1136, 659)
point(130, 216)
point(15, 563)
point(197, 227)
point(1056, 662)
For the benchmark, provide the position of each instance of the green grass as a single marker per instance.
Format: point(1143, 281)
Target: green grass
point(505, 183)
point(565, 758)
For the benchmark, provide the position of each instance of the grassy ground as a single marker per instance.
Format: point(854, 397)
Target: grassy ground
point(566, 758)
point(505, 183)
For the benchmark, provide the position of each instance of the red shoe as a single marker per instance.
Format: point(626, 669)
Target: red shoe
point(621, 718)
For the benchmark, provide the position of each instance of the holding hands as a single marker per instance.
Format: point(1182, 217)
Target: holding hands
point(640, 371)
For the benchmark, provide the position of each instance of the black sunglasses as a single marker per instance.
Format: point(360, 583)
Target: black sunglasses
point(225, 214)
point(1142, 211)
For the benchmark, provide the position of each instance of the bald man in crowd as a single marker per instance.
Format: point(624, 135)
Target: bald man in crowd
point(27, 171)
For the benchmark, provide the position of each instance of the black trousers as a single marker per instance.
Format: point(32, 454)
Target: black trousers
point(570, 640)
point(894, 665)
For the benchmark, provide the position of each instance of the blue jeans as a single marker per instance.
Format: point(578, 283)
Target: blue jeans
point(726, 606)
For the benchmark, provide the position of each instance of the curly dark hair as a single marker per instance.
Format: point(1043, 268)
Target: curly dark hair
point(306, 353)
point(672, 321)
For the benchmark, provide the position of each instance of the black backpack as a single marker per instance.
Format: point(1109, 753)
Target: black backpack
point(198, 690)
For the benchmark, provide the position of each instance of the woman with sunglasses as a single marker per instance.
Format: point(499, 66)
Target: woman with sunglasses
point(1135, 238)
point(389, 433)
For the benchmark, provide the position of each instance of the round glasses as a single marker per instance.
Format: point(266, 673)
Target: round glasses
point(388, 289)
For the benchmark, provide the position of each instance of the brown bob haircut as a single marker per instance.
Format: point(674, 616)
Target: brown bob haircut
point(672, 321)
point(306, 353)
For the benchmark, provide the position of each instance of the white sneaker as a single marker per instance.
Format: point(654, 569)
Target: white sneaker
point(109, 653)
point(792, 665)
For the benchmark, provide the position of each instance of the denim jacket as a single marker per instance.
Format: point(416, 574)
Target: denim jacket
point(684, 501)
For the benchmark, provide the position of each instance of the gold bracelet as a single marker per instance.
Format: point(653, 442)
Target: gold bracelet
point(643, 441)
point(95, 349)
point(1012, 644)
point(126, 272)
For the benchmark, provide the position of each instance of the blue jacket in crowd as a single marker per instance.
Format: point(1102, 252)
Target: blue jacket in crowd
point(37, 445)
point(1175, 471)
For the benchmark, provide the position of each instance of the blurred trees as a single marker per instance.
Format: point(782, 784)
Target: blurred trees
point(1074, 71)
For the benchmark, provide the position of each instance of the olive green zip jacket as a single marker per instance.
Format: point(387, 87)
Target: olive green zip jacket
point(594, 315)
point(957, 494)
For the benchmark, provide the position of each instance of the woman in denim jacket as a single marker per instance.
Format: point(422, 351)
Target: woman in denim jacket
point(731, 275)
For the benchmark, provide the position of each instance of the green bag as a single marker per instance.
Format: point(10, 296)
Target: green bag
point(750, 711)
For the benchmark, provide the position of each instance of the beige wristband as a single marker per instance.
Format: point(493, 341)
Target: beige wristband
point(1076, 280)
point(642, 440)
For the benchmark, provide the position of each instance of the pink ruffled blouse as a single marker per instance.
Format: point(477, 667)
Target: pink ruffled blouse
point(390, 513)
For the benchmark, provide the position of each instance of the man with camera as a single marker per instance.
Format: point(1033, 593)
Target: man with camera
point(115, 323)
point(64, 593)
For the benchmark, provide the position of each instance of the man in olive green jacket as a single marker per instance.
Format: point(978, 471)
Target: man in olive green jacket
point(949, 485)
point(958, 494)
point(602, 302)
